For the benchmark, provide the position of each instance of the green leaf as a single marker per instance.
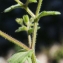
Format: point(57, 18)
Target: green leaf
point(19, 21)
point(23, 28)
point(20, 57)
point(19, 49)
point(12, 7)
point(16, 56)
point(23, 50)
point(32, 1)
point(46, 13)
point(29, 60)
point(30, 31)
point(26, 19)
point(28, 54)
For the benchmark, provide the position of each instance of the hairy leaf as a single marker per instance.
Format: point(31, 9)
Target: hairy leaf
point(19, 21)
point(29, 60)
point(23, 28)
point(46, 13)
point(12, 7)
point(20, 57)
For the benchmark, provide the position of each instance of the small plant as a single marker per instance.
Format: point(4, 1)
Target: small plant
point(30, 25)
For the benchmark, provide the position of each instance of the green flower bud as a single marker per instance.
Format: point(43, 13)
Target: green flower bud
point(26, 19)
point(19, 21)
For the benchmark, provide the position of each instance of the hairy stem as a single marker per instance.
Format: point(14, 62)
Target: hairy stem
point(4, 35)
point(33, 58)
point(35, 24)
point(26, 8)
point(29, 11)
point(38, 7)
point(13, 40)
point(35, 31)
point(33, 43)
point(34, 36)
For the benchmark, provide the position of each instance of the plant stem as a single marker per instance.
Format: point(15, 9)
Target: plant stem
point(27, 2)
point(35, 25)
point(19, 2)
point(33, 58)
point(35, 31)
point(34, 36)
point(33, 43)
point(38, 7)
point(29, 12)
point(29, 41)
point(13, 40)
point(26, 8)
point(16, 42)
point(29, 36)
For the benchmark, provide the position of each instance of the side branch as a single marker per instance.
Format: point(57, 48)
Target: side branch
point(13, 40)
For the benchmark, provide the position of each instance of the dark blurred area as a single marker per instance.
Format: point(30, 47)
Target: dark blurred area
point(51, 26)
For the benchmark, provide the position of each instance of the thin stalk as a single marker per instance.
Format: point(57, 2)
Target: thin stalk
point(13, 40)
point(29, 11)
point(26, 8)
point(27, 2)
point(38, 7)
point(19, 2)
point(4, 35)
point(29, 41)
point(29, 36)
